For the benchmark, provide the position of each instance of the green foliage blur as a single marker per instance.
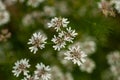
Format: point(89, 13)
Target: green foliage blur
point(84, 16)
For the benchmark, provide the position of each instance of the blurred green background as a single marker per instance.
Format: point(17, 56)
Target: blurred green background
point(84, 16)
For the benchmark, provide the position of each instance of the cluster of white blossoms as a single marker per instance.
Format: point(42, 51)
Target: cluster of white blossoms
point(65, 33)
point(4, 14)
point(38, 40)
point(108, 6)
point(76, 55)
point(114, 62)
point(41, 73)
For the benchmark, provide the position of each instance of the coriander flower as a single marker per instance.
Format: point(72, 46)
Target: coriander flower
point(58, 23)
point(69, 35)
point(38, 40)
point(117, 5)
point(4, 17)
point(29, 77)
point(59, 43)
point(88, 66)
point(34, 3)
point(2, 6)
point(113, 58)
point(89, 46)
point(21, 66)
point(76, 55)
point(106, 8)
point(42, 72)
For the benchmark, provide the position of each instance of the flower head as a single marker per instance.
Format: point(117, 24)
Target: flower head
point(88, 66)
point(42, 72)
point(59, 43)
point(58, 23)
point(113, 58)
point(76, 55)
point(38, 40)
point(68, 35)
point(21, 66)
point(4, 17)
point(106, 8)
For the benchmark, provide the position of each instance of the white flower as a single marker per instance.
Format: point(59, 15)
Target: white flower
point(49, 11)
point(106, 8)
point(59, 43)
point(115, 69)
point(56, 73)
point(43, 72)
point(68, 76)
point(117, 5)
point(113, 58)
point(29, 77)
point(58, 23)
point(69, 35)
point(88, 66)
point(38, 40)
point(2, 6)
point(21, 66)
point(89, 46)
point(76, 55)
point(27, 20)
point(34, 3)
point(4, 17)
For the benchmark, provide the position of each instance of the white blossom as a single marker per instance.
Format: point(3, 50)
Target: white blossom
point(21, 66)
point(59, 43)
point(56, 73)
point(89, 46)
point(34, 3)
point(27, 20)
point(117, 5)
point(113, 58)
point(106, 8)
point(76, 55)
point(88, 66)
point(29, 77)
point(2, 6)
point(68, 35)
point(42, 72)
point(115, 69)
point(38, 40)
point(4, 17)
point(49, 11)
point(58, 23)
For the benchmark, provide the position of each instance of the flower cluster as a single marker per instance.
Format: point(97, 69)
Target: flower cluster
point(21, 66)
point(76, 55)
point(88, 66)
point(38, 40)
point(41, 73)
point(4, 15)
point(107, 7)
point(4, 35)
point(114, 62)
point(59, 75)
point(65, 34)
